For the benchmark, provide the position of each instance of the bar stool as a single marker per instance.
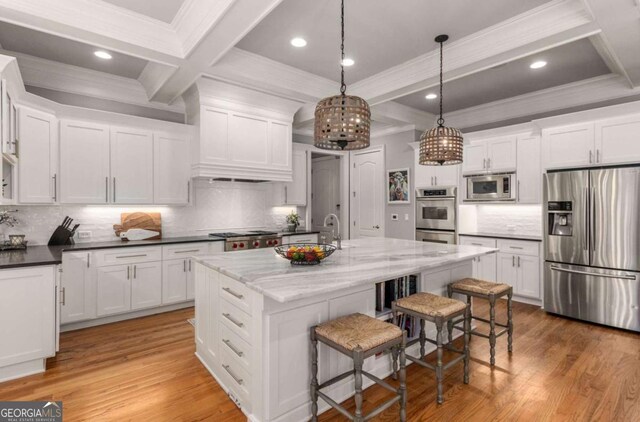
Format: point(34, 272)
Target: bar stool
point(358, 336)
point(472, 287)
point(439, 310)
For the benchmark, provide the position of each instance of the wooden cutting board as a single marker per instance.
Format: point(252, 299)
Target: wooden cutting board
point(140, 220)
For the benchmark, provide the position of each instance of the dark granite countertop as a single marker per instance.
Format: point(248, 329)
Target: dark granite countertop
point(513, 236)
point(52, 255)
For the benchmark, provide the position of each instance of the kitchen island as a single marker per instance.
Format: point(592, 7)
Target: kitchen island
point(254, 311)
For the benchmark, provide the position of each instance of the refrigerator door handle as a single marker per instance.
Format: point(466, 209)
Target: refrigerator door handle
point(592, 234)
point(586, 220)
point(566, 270)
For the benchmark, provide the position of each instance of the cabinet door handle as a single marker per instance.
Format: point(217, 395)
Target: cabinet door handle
point(484, 163)
point(64, 296)
point(135, 267)
point(189, 265)
point(55, 187)
point(232, 293)
point(114, 189)
point(188, 191)
point(286, 195)
point(232, 319)
point(128, 272)
point(431, 180)
point(189, 251)
point(597, 155)
point(106, 189)
point(436, 179)
point(488, 163)
point(236, 379)
point(89, 260)
point(518, 261)
point(233, 348)
point(184, 266)
point(590, 156)
point(518, 191)
point(515, 247)
point(513, 260)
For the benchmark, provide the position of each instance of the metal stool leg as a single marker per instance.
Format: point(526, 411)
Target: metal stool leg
point(439, 324)
point(403, 375)
point(314, 375)
point(467, 335)
point(492, 327)
point(358, 362)
point(510, 321)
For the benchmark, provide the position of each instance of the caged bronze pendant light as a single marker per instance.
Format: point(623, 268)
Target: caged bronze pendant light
point(342, 122)
point(441, 145)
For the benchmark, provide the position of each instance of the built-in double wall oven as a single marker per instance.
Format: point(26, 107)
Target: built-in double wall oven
point(436, 215)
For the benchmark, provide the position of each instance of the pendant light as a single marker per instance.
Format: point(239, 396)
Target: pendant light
point(441, 145)
point(342, 122)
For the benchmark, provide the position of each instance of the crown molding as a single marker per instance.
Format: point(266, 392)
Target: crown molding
point(195, 18)
point(96, 23)
point(589, 91)
point(603, 47)
point(255, 71)
point(57, 76)
point(549, 20)
point(154, 75)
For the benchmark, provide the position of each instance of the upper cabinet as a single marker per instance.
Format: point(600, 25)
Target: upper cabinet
point(131, 166)
point(428, 176)
point(36, 145)
point(529, 171)
point(171, 169)
point(295, 192)
point(490, 155)
point(610, 141)
point(84, 163)
point(243, 146)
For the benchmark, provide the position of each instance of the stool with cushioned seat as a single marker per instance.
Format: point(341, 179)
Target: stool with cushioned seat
point(358, 336)
point(439, 310)
point(472, 287)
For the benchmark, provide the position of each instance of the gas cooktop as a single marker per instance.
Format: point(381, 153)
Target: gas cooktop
point(256, 239)
point(253, 233)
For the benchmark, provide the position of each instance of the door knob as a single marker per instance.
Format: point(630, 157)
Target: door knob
point(376, 227)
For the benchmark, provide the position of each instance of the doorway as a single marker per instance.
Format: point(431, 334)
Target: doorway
point(325, 193)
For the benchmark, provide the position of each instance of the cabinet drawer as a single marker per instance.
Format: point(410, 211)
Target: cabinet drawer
point(236, 346)
point(237, 321)
point(301, 238)
point(519, 247)
point(127, 255)
point(235, 292)
point(478, 241)
point(185, 250)
point(235, 377)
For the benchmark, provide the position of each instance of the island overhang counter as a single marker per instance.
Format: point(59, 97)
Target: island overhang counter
point(254, 309)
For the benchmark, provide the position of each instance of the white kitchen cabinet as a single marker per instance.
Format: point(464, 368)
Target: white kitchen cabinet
point(171, 169)
point(490, 155)
point(300, 238)
point(428, 176)
point(295, 192)
point(174, 280)
point(507, 269)
point(146, 285)
point(529, 173)
point(37, 149)
point(27, 320)
point(206, 314)
point(243, 146)
point(84, 163)
point(78, 287)
point(131, 166)
point(113, 289)
point(484, 267)
point(568, 146)
point(522, 272)
point(616, 140)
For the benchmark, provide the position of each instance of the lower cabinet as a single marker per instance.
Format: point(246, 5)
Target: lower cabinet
point(114, 290)
point(522, 272)
point(27, 320)
point(146, 285)
point(78, 288)
point(174, 280)
point(484, 267)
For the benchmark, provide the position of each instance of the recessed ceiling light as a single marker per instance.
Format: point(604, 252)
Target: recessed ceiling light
point(298, 42)
point(347, 62)
point(102, 54)
point(431, 96)
point(537, 65)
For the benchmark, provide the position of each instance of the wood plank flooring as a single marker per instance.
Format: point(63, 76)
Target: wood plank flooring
point(145, 369)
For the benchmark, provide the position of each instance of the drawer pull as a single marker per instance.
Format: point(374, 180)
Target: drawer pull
point(232, 293)
point(515, 247)
point(190, 250)
point(240, 381)
point(233, 348)
point(232, 319)
point(477, 244)
point(131, 256)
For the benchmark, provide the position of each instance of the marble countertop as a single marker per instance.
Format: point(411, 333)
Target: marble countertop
point(361, 261)
point(515, 236)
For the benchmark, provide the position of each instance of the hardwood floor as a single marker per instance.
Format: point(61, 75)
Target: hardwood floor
point(145, 369)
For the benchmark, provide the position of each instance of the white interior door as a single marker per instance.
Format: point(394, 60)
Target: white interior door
point(368, 192)
point(325, 189)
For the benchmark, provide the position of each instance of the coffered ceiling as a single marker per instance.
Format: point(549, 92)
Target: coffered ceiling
point(164, 10)
point(379, 33)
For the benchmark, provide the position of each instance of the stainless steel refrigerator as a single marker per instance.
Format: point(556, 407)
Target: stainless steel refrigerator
point(592, 245)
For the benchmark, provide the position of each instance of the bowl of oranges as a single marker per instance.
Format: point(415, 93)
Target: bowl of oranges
point(305, 253)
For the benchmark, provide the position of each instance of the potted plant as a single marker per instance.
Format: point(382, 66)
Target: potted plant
point(293, 221)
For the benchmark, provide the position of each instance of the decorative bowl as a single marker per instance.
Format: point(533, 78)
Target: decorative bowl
point(305, 253)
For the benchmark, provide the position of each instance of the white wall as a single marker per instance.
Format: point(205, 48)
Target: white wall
point(399, 154)
point(217, 206)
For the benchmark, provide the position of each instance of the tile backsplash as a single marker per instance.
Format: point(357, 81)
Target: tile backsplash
point(216, 206)
point(520, 219)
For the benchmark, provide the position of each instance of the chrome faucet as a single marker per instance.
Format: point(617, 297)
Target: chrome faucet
point(337, 238)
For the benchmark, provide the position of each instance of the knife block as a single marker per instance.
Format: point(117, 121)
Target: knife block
point(61, 236)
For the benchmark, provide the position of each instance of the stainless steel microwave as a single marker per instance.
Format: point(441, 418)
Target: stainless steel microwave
point(491, 187)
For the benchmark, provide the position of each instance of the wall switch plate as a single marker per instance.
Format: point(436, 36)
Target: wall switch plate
point(84, 234)
point(394, 217)
point(406, 217)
